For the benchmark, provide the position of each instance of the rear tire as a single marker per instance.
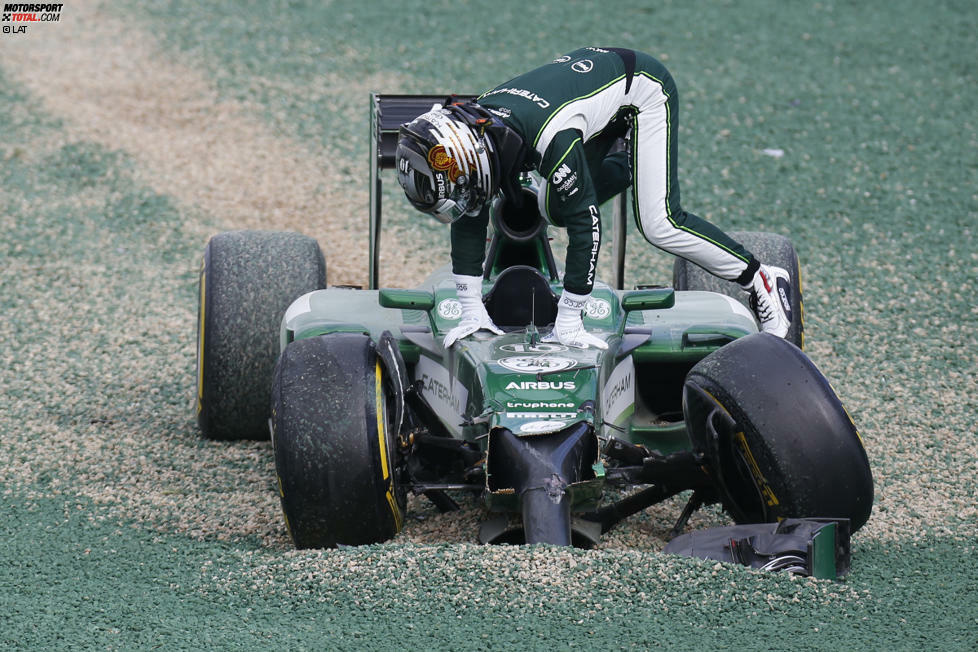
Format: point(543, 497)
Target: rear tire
point(247, 280)
point(770, 249)
point(777, 439)
point(335, 445)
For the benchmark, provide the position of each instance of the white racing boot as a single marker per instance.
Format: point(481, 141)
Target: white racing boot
point(569, 326)
point(770, 299)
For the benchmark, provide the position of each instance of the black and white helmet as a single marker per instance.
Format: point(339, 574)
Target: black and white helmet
point(446, 163)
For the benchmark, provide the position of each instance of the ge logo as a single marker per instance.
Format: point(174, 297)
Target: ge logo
point(450, 309)
point(584, 65)
point(597, 309)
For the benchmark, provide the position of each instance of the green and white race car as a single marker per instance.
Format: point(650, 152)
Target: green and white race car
point(364, 404)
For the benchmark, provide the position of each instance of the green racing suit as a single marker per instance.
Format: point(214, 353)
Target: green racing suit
point(569, 114)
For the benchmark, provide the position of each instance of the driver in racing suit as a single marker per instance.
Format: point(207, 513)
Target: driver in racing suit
point(561, 120)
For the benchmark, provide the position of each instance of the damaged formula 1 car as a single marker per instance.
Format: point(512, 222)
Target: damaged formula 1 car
point(364, 404)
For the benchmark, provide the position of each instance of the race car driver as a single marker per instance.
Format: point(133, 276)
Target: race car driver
point(561, 119)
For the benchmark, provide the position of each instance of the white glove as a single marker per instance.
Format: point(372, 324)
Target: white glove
point(474, 315)
point(569, 327)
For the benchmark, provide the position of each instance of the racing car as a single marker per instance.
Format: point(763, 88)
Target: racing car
point(365, 405)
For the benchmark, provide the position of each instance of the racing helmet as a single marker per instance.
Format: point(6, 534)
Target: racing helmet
point(446, 163)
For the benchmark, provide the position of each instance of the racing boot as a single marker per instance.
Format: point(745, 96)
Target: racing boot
point(770, 299)
point(569, 325)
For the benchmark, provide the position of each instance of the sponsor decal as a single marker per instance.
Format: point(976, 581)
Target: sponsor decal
point(502, 112)
point(563, 59)
point(597, 309)
point(564, 179)
point(567, 185)
point(582, 66)
point(540, 415)
point(440, 161)
point(446, 396)
point(596, 241)
point(519, 92)
point(442, 186)
point(576, 304)
point(450, 309)
point(598, 50)
point(537, 405)
point(531, 364)
point(525, 385)
point(541, 347)
point(619, 391)
point(540, 427)
point(560, 174)
point(784, 293)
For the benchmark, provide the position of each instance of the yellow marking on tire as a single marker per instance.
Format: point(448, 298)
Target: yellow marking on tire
point(801, 306)
point(719, 404)
point(848, 416)
point(288, 526)
point(379, 397)
point(755, 471)
point(382, 437)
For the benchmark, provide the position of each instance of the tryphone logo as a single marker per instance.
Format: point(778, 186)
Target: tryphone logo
point(17, 17)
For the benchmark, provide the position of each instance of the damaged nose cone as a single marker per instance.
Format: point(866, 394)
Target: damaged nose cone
point(539, 469)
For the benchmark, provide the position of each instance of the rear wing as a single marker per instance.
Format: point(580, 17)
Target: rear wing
point(387, 114)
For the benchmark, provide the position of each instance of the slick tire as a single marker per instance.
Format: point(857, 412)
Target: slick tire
point(336, 451)
point(770, 249)
point(777, 440)
point(247, 280)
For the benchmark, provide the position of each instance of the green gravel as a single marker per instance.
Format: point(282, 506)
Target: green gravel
point(121, 529)
point(108, 585)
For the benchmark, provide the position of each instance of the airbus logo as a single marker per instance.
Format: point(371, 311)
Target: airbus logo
point(542, 384)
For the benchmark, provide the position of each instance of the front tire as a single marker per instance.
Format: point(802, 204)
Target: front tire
point(335, 446)
point(778, 441)
point(247, 281)
point(770, 249)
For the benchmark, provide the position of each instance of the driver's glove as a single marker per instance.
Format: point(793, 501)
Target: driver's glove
point(474, 315)
point(568, 327)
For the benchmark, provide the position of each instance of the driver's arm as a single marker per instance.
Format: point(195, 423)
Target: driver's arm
point(469, 243)
point(570, 200)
